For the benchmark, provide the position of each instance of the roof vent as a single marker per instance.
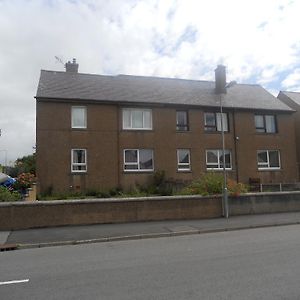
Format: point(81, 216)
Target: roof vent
point(72, 67)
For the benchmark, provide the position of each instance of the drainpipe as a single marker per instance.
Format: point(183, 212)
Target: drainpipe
point(236, 139)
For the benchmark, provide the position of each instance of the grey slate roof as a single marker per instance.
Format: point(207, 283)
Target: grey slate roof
point(294, 96)
point(154, 90)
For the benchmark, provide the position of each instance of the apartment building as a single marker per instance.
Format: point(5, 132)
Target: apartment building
point(292, 99)
point(99, 132)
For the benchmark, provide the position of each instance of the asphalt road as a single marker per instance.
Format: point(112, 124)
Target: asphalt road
point(248, 264)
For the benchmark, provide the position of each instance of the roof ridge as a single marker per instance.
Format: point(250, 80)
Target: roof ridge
point(147, 77)
point(289, 92)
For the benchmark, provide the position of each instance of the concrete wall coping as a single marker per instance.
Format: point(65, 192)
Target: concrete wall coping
point(108, 200)
point(137, 199)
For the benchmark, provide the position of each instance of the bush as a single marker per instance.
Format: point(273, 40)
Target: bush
point(24, 181)
point(208, 184)
point(235, 189)
point(7, 195)
point(212, 184)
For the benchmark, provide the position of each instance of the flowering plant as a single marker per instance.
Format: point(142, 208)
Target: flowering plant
point(24, 180)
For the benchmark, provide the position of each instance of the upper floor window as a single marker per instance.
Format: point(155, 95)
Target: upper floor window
point(78, 160)
point(265, 123)
point(137, 118)
point(183, 160)
point(213, 121)
point(78, 117)
point(182, 121)
point(138, 160)
point(214, 159)
point(268, 159)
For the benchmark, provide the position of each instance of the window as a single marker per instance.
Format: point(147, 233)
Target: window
point(78, 158)
point(182, 122)
point(214, 159)
point(137, 118)
point(213, 121)
point(183, 160)
point(138, 160)
point(268, 159)
point(265, 123)
point(78, 117)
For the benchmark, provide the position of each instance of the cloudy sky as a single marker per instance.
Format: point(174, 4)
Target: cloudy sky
point(258, 41)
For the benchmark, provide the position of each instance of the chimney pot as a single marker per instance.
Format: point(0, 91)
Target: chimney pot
point(72, 67)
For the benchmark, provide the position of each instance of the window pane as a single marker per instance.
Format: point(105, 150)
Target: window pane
point(182, 120)
point(137, 118)
point(270, 124)
point(259, 122)
point(78, 156)
point(147, 119)
point(212, 156)
point(183, 156)
point(78, 117)
point(274, 159)
point(145, 159)
point(79, 167)
point(131, 156)
point(262, 157)
point(210, 119)
point(126, 118)
point(227, 159)
point(131, 167)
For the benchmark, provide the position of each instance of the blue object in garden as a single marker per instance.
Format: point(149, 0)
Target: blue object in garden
point(8, 183)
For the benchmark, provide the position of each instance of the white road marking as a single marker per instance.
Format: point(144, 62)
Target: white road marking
point(14, 281)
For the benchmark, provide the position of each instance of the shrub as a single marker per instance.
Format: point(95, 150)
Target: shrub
point(24, 181)
point(208, 184)
point(7, 195)
point(235, 189)
point(211, 184)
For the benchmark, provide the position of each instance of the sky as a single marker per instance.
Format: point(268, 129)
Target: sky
point(258, 41)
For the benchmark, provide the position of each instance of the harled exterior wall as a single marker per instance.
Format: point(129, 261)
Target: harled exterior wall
point(105, 140)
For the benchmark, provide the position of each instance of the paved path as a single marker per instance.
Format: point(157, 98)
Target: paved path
point(125, 231)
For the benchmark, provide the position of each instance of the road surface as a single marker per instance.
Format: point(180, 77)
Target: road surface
point(247, 264)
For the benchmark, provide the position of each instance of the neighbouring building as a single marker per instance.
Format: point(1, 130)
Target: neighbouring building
point(100, 132)
point(292, 99)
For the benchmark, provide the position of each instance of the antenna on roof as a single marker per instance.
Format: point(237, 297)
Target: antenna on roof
point(59, 60)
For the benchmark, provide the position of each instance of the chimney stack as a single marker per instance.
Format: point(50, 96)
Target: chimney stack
point(220, 75)
point(72, 67)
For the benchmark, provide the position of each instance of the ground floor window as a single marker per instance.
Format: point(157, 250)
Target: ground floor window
point(78, 160)
point(268, 159)
point(138, 160)
point(183, 160)
point(214, 159)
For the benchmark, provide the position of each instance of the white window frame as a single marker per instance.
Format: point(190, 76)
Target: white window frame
point(182, 167)
point(138, 161)
point(78, 164)
point(262, 166)
point(220, 153)
point(84, 126)
point(131, 110)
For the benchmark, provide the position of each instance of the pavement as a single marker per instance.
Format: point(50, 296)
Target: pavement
point(72, 235)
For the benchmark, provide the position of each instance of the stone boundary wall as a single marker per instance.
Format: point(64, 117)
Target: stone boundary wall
point(23, 215)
